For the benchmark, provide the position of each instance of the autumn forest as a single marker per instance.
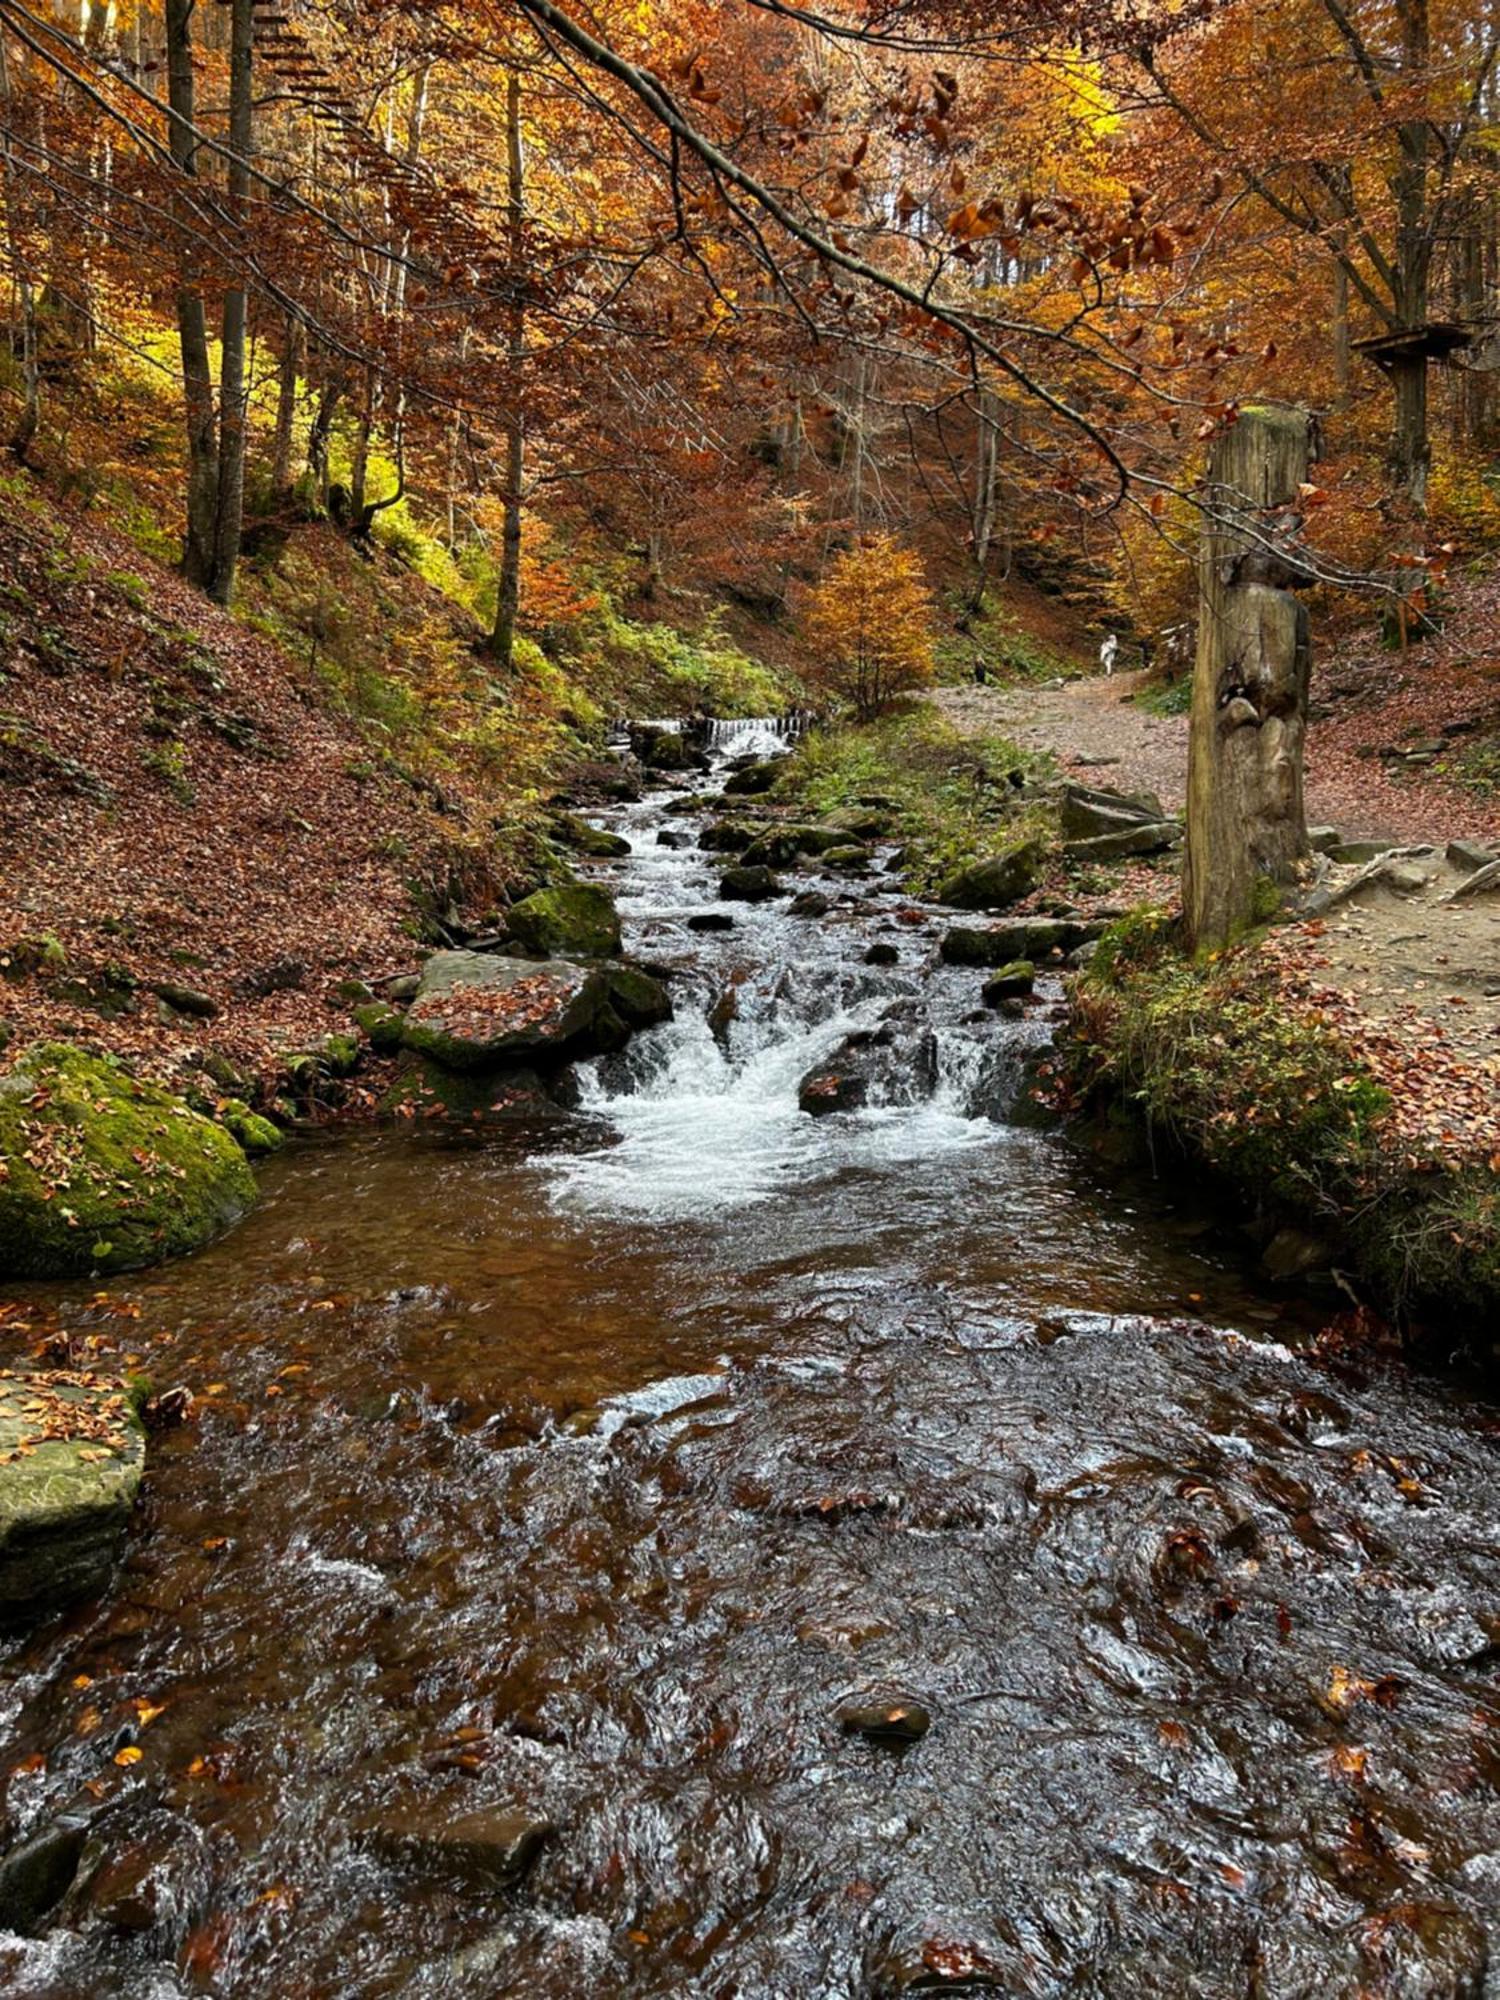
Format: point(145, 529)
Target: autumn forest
point(749, 998)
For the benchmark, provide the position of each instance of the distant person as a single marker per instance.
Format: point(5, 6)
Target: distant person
point(1108, 651)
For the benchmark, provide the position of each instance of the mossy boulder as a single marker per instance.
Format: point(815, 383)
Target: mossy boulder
point(595, 841)
point(104, 1172)
point(726, 836)
point(570, 920)
point(779, 846)
point(748, 885)
point(381, 1024)
point(754, 778)
point(476, 1011)
point(638, 999)
point(1011, 982)
point(849, 854)
point(71, 1456)
point(997, 881)
point(256, 1135)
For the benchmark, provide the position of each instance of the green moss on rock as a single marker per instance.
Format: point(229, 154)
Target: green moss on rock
point(71, 1456)
point(256, 1135)
point(104, 1172)
point(381, 1024)
point(570, 920)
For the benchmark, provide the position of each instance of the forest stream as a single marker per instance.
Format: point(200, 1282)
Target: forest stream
point(589, 1474)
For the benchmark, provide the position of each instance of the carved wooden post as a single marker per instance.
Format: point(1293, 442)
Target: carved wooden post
point(1245, 821)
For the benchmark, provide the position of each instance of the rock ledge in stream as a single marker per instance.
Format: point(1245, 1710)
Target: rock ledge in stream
point(71, 1457)
point(474, 1011)
point(105, 1172)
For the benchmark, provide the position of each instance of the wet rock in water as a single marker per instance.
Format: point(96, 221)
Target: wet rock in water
point(676, 837)
point(832, 1087)
point(811, 903)
point(893, 1721)
point(105, 1172)
point(998, 881)
point(779, 846)
point(945, 1961)
point(849, 858)
point(1011, 982)
point(1151, 838)
point(485, 1850)
point(748, 885)
point(723, 1014)
point(476, 1012)
point(1296, 1253)
point(882, 954)
point(638, 998)
point(37, 1872)
point(754, 778)
point(595, 841)
point(711, 920)
point(570, 920)
point(1031, 938)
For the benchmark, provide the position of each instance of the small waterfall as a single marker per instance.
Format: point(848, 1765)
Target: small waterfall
point(705, 1112)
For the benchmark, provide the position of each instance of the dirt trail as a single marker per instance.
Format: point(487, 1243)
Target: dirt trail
point(1095, 724)
point(1400, 960)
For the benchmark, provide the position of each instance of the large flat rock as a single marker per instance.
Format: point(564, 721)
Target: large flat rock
point(71, 1458)
point(476, 1011)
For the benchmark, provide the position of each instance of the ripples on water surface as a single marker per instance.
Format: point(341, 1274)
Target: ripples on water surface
point(591, 1472)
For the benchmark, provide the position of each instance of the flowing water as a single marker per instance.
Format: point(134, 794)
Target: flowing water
point(588, 1470)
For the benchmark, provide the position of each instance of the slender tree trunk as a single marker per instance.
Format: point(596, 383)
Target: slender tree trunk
point(292, 356)
point(1245, 815)
point(320, 435)
point(985, 487)
point(192, 321)
point(25, 294)
point(234, 392)
point(508, 594)
point(1411, 452)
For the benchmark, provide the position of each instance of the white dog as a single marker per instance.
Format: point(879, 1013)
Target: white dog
point(1108, 651)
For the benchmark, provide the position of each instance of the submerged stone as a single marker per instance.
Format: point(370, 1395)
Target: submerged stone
point(748, 885)
point(38, 1871)
point(105, 1172)
point(485, 1850)
point(897, 1721)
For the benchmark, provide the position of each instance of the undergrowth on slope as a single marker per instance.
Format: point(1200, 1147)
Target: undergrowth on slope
point(1221, 1072)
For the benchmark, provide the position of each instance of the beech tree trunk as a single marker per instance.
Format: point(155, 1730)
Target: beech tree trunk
point(1245, 818)
point(234, 390)
point(508, 595)
point(192, 321)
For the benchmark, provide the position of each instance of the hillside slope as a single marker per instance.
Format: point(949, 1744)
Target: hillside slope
point(180, 807)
